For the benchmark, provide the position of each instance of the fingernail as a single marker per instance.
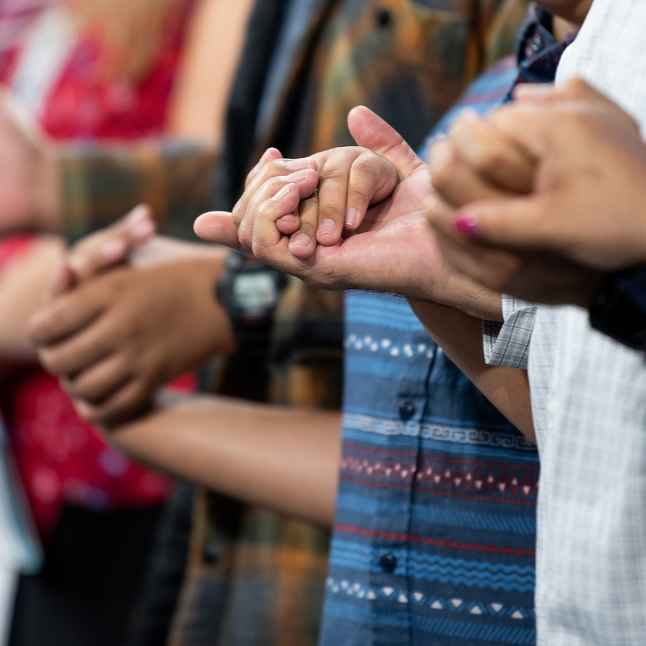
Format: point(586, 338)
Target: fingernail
point(297, 164)
point(283, 193)
point(264, 156)
point(351, 218)
point(529, 91)
point(113, 249)
point(288, 219)
point(467, 224)
point(301, 239)
point(143, 229)
point(470, 115)
point(140, 212)
point(82, 409)
point(300, 176)
point(327, 226)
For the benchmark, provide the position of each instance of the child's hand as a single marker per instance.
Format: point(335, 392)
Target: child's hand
point(321, 198)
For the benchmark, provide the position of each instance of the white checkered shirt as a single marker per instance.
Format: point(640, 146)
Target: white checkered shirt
point(589, 401)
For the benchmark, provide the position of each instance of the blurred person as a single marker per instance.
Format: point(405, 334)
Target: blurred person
point(590, 356)
point(399, 78)
point(84, 74)
point(584, 385)
point(144, 438)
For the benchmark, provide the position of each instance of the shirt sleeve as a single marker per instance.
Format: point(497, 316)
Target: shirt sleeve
point(507, 344)
point(102, 183)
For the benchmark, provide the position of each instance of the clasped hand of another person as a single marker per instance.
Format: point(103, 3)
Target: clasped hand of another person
point(129, 312)
point(349, 218)
point(572, 169)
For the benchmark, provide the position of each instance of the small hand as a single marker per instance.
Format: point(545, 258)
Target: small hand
point(350, 181)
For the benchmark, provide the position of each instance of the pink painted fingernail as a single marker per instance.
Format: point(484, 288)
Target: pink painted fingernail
point(301, 239)
point(283, 193)
point(351, 218)
point(327, 226)
point(468, 224)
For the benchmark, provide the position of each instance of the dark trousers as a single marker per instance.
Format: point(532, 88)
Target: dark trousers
point(87, 593)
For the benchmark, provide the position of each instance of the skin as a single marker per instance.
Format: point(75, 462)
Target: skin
point(284, 459)
point(456, 327)
point(117, 335)
point(128, 312)
point(30, 180)
point(583, 216)
point(396, 223)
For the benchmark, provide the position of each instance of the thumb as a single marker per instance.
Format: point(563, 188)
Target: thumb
point(510, 223)
point(372, 132)
point(217, 227)
point(111, 245)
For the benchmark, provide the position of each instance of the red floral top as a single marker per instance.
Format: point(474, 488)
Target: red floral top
point(59, 457)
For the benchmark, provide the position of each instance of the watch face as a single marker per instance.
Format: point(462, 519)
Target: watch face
point(255, 294)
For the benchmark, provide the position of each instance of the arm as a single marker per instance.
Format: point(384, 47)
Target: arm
point(200, 98)
point(460, 337)
point(281, 458)
point(23, 285)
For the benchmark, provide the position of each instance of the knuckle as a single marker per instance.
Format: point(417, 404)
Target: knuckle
point(269, 209)
point(332, 174)
point(444, 169)
point(273, 168)
point(329, 212)
point(50, 359)
point(487, 157)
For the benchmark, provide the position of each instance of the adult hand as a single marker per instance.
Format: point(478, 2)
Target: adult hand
point(116, 338)
point(584, 216)
point(28, 174)
point(392, 250)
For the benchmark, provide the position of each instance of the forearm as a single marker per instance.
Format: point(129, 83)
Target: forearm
point(99, 184)
point(23, 286)
point(460, 337)
point(284, 459)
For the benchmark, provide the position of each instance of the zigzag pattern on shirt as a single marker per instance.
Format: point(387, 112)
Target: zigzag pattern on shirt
point(343, 587)
point(437, 432)
point(478, 631)
point(437, 515)
point(430, 567)
point(440, 475)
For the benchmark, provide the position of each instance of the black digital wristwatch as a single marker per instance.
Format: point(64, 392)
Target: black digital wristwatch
point(249, 291)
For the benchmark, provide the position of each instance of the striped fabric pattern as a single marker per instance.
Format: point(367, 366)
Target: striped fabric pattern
point(435, 531)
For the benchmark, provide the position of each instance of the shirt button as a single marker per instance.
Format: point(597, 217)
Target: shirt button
point(384, 17)
point(211, 554)
point(388, 563)
point(407, 411)
point(536, 43)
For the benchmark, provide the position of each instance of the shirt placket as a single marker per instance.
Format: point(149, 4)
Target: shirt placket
point(390, 551)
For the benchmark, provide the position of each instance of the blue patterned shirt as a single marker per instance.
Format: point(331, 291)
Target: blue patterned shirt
point(435, 528)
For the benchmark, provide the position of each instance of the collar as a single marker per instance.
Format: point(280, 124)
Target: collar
point(538, 54)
